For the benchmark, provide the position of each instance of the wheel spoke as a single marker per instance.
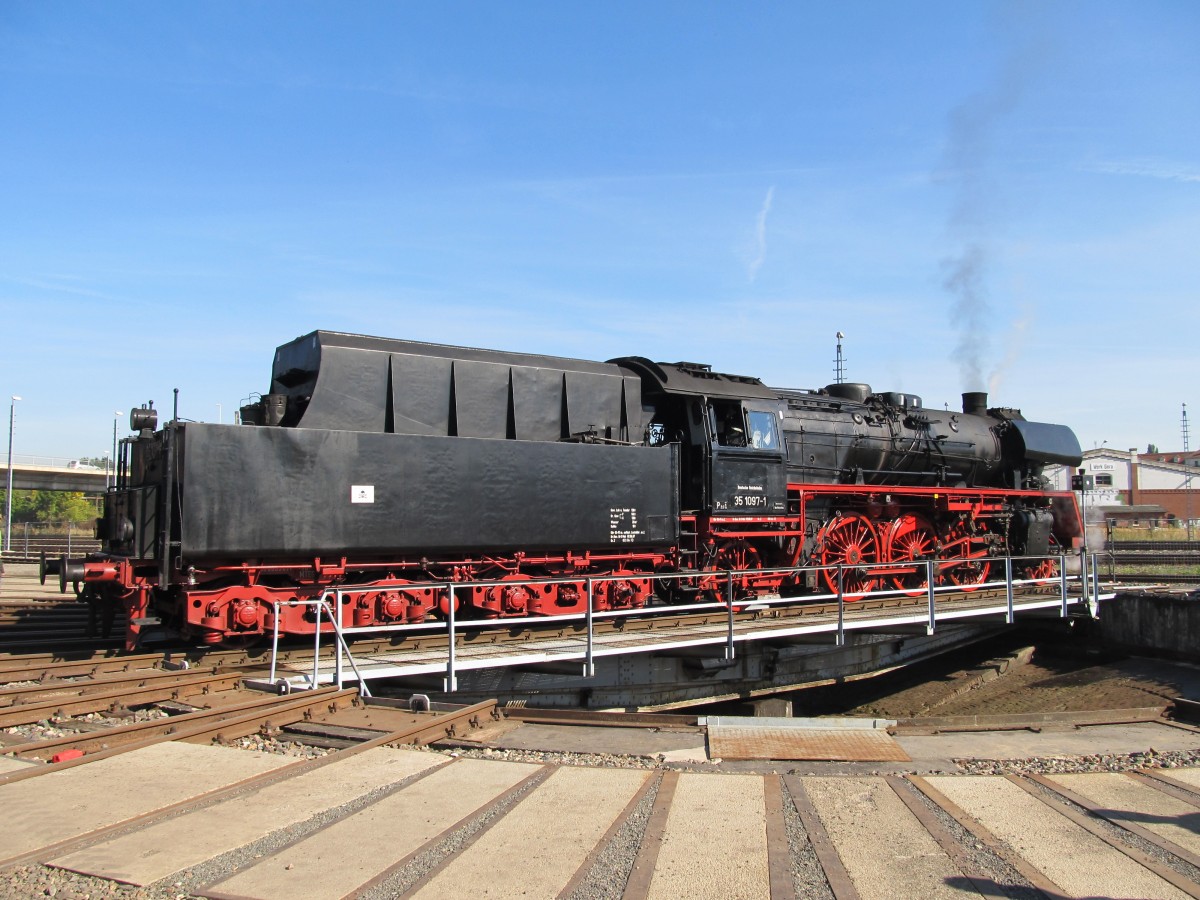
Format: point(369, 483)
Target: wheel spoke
point(910, 539)
point(849, 541)
point(973, 567)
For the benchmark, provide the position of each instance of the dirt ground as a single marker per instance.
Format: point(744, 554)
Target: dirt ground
point(996, 679)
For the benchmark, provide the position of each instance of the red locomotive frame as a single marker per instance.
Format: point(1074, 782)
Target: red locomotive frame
point(905, 526)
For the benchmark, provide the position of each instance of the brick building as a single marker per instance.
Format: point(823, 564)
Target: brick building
point(1137, 489)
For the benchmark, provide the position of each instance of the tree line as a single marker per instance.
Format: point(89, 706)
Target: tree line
point(49, 506)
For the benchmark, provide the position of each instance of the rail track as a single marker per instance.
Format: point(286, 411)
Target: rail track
point(372, 821)
point(1152, 559)
point(1166, 562)
point(34, 616)
point(54, 709)
point(85, 700)
point(327, 717)
point(1156, 578)
point(1157, 546)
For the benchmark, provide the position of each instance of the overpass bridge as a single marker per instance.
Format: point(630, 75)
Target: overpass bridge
point(46, 473)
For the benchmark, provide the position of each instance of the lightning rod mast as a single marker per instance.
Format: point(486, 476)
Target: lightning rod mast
point(1187, 480)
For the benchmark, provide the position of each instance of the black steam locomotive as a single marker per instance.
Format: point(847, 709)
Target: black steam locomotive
point(397, 467)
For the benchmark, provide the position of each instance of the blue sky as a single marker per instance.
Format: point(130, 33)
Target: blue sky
point(980, 195)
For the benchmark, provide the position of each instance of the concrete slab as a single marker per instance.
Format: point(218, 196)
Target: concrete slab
point(570, 812)
point(715, 842)
point(152, 853)
point(1077, 861)
point(885, 850)
point(939, 750)
point(334, 861)
point(1189, 776)
point(1127, 800)
point(42, 811)
point(10, 764)
point(593, 739)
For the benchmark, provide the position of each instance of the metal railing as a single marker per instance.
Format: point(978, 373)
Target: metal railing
point(1088, 579)
point(321, 607)
point(30, 539)
point(46, 462)
point(1164, 561)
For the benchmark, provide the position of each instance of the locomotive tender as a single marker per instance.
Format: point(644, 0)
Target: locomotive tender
point(401, 466)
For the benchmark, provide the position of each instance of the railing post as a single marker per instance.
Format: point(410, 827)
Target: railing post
point(841, 632)
point(27, 540)
point(451, 679)
point(316, 643)
point(589, 666)
point(932, 593)
point(363, 690)
point(1008, 588)
point(343, 647)
point(1083, 576)
point(1062, 581)
point(274, 640)
point(729, 649)
point(337, 658)
point(1095, 579)
point(68, 539)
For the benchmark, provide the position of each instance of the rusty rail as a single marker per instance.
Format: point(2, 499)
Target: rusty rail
point(226, 723)
point(92, 697)
point(441, 726)
point(1019, 721)
point(600, 718)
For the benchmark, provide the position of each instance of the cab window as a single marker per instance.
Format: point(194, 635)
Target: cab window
point(729, 424)
point(763, 434)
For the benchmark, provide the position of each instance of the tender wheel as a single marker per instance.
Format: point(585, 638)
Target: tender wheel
point(630, 592)
point(234, 641)
point(912, 539)
point(850, 541)
point(509, 599)
point(398, 601)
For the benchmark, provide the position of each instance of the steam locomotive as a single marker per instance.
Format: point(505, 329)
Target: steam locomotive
point(396, 468)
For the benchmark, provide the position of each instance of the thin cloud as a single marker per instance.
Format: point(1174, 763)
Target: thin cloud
point(1146, 168)
point(760, 235)
point(60, 284)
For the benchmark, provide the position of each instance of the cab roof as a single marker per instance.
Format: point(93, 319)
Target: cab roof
point(694, 379)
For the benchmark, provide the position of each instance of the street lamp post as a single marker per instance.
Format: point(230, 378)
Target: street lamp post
point(12, 410)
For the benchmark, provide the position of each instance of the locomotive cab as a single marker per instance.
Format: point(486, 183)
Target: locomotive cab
point(746, 463)
point(733, 456)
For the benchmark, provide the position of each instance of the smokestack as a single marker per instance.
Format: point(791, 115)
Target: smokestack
point(975, 403)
